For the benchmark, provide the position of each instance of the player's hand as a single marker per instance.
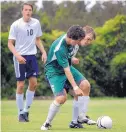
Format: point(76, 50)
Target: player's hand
point(44, 57)
point(21, 59)
point(75, 60)
point(78, 91)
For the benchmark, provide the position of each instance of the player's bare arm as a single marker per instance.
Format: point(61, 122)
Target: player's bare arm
point(20, 59)
point(41, 48)
point(69, 75)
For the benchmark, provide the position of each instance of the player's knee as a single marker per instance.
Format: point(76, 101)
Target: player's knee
point(20, 87)
point(33, 86)
point(32, 83)
point(61, 99)
point(85, 86)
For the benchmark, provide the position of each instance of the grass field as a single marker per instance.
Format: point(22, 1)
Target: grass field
point(115, 108)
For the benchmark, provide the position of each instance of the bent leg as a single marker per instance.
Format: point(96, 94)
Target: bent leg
point(84, 100)
point(53, 110)
point(83, 103)
point(54, 107)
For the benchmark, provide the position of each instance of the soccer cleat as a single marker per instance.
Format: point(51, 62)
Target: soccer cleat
point(45, 126)
point(21, 118)
point(75, 125)
point(86, 120)
point(26, 116)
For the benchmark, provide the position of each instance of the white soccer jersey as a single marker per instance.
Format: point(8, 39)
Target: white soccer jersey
point(24, 34)
point(75, 50)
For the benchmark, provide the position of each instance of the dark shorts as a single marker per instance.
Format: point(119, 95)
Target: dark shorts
point(30, 69)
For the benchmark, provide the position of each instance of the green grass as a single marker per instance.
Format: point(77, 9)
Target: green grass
point(115, 108)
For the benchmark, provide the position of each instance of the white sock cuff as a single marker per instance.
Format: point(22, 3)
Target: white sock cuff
point(19, 95)
point(30, 92)
point(56, 103)
point(86, 97)
point(75, 103)
point(83, 98)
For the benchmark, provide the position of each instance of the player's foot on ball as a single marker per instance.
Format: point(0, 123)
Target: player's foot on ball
point(45, 126)
point(26, 116)
point(75, 125)
point(86, 120)
point(21, 118)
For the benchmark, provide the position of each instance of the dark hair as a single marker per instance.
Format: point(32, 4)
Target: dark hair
point(89, 29)
point(76, 32)
point(27, 4)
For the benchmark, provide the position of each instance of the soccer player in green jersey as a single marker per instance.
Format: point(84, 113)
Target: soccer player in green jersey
point(59, 71)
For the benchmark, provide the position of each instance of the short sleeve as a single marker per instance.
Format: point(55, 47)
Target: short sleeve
point(12, 33)
point(62, 58)
point(39, 33)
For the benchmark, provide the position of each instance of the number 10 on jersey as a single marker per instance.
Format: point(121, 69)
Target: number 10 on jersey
point(30, 32)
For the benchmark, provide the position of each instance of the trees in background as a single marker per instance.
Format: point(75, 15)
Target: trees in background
point(103, 63)
point(65, 14)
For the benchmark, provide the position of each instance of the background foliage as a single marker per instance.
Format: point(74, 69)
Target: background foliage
point(103, 63)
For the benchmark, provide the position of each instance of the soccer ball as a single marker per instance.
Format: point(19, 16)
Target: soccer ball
point(104, 122)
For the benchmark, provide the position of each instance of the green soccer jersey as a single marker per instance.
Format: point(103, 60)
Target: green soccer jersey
point(59, 57)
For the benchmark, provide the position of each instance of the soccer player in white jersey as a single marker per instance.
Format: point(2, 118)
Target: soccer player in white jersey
point(23, 38)
point(80, 105)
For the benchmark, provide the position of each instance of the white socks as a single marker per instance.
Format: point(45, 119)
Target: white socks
point(83, 104)
point(75, 113)
point(54, 108)
point(20, 101)
point(29, 99)
point(80, 107)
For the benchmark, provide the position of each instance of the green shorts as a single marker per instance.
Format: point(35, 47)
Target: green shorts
point(59, 82)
